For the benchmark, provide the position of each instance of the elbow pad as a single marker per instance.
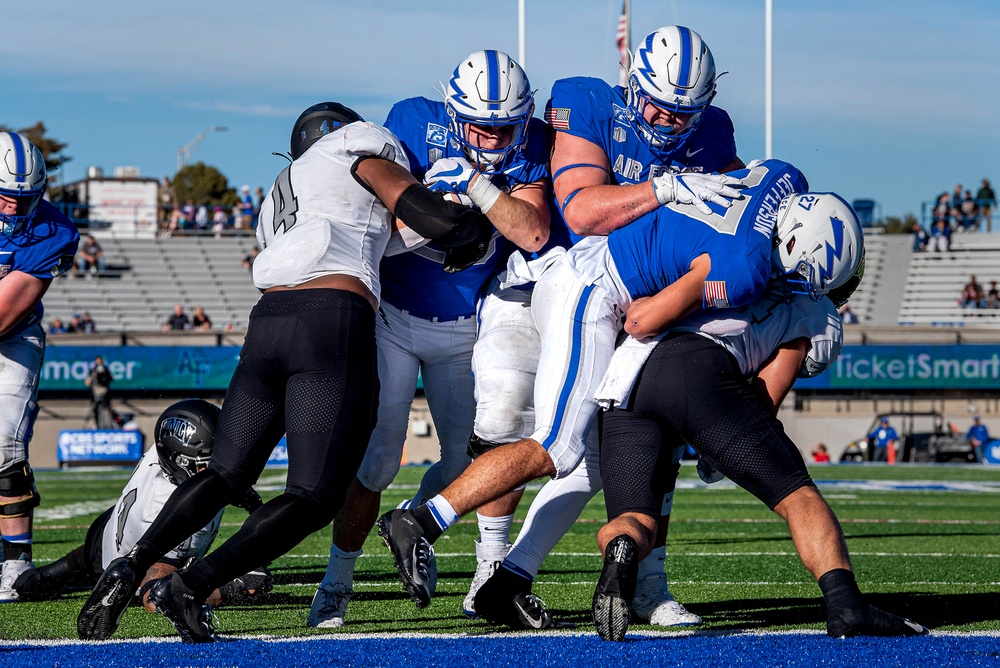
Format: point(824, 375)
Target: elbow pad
point(433, 217)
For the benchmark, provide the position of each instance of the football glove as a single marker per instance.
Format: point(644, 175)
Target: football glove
point(696, 189)
point(450, 175)
point(457, 258)
point(249, 501)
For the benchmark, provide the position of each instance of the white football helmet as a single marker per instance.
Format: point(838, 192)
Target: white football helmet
point(674, 70)
point(488, 88)
point(22, 176)
point(818, 241)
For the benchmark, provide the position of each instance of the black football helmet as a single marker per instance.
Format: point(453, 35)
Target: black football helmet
point(316, 121)
point(185, 436)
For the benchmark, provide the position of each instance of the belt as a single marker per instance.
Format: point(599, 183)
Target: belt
point(437, 318)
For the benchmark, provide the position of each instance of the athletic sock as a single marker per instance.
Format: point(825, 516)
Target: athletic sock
point(340, 568)
point(840, 590)
point(653, 564)
point(17, 547)
point(495, 531)
point(435, 516)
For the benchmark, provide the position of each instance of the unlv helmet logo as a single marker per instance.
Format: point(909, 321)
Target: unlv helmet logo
point(179, 428)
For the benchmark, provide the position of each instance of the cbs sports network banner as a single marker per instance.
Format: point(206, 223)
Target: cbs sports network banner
point(930, 367)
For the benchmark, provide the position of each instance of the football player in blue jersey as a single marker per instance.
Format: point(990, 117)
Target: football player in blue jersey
point(37, 243)
point(656, 271)
point(482, 146)
point(717, 382)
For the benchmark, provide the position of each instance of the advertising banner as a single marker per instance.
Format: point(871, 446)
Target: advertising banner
point(911, 367)
point(91, 445)
point(142, 367)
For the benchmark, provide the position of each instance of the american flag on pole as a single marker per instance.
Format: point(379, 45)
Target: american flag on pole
point(715, 294)
point(623, 39)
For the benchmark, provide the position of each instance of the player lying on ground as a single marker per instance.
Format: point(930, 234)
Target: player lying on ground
point(184, 436)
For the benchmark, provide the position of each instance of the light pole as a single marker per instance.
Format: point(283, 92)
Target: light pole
point(185, 152)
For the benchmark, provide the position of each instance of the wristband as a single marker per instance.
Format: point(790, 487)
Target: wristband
point(483, 193)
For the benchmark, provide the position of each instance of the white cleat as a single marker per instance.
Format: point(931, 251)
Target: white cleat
point(489, 559)
point(654, 604)
point(12, 568)
point(329, 606)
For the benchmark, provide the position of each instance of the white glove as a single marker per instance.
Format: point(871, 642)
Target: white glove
point(696, 189)
point(451, 175)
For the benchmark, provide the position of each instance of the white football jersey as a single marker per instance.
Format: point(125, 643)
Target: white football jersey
point(754, 332)
point(318, 220)
point(141, 501)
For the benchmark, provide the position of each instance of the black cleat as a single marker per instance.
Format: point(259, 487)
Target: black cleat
point(103, 610)
point(412, 554)
point(612, 599)
point(174, 600)
point(31, 585)
point(506, 600)
point(870, 621)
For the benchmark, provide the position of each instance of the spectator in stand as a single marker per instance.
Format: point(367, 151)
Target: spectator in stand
point(969, 212)
point(90, 257)
point(993, 296)
point(57, 326)
point(979, 436)
point(258, 199)
point(956, 203)
point(883, 438)
point(972, 294)
point(178, 322)
point(847, 315)
point(986, 200)
point(199, 320)
point(235, 215)
point(246, 209)
point(74, 326)
point(940, 236)
point(249, 258)
point(168, 202)
point(99, 381)
point(201, 218)
point(219, 220)
point(920, 238)
point(87, 324)
point(188, 213)
point(942, 210)
point(820, 454)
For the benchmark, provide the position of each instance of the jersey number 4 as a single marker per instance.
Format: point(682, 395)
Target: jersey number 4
point(286, 205)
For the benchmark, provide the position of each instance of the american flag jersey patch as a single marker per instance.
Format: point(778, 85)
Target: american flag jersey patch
point(715, 294)
point(557, 118)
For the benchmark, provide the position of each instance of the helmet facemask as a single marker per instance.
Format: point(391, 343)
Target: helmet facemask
point(22, 179)
point(488, 90)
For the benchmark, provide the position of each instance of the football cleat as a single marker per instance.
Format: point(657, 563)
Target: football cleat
point(102, 612)
point(412, 554)
point(616, 588)
point(870, 621)
point(654, 604)
point(489, 558)
point(506, 600)
point(30, 585)
point(175, 601)
point(12, 570)
point(329, 605)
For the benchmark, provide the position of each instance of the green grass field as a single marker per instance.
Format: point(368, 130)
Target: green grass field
point(930, 553)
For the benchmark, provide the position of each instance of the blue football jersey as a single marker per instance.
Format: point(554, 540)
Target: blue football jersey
point(44, 249)
point(416, 281)
point(593, 110)
point(658, 248)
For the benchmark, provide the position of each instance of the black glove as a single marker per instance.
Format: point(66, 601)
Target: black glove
point(250, 501)
point(464, 256)
point(247, 588)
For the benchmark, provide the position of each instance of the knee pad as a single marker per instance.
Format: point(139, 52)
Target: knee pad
point(18, 482)
point(479, 446)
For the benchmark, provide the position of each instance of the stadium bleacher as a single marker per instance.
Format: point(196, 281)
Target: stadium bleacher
point(145, 278)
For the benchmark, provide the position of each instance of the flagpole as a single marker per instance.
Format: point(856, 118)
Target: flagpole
point(520, 34)
point(768, 81)
point(623, 38)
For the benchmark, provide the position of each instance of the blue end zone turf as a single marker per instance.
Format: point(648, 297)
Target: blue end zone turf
point(744, 649)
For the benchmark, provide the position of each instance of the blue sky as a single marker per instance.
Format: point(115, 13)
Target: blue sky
point(896, 101)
